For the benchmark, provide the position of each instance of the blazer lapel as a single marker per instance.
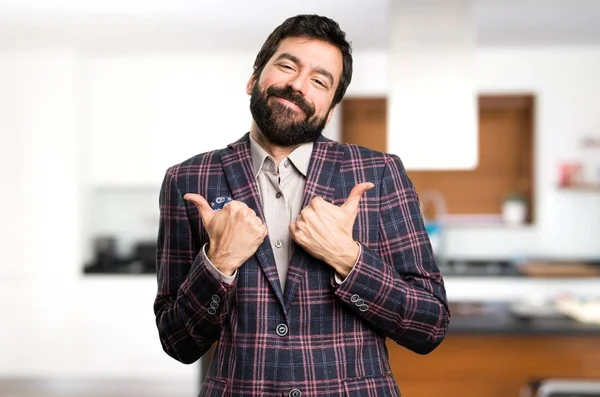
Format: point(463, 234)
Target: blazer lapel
point(237, 166)
point(323, 168)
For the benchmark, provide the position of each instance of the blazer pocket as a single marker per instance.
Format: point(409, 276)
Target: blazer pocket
point(215, 388)
point(381, 386)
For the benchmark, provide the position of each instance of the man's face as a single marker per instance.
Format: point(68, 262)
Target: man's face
point(291, 100)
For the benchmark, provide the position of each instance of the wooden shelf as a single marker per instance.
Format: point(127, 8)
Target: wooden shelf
point(587, 187)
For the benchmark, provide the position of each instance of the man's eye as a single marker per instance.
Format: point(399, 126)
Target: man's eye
point(319, 82)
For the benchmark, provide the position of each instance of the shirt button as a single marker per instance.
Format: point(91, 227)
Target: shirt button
point(278, 244)
point(286, 164)
point(282, 330)
point(278, 195)
point(295, 393)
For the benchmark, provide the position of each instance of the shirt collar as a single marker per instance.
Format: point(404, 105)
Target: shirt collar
point(300, 157)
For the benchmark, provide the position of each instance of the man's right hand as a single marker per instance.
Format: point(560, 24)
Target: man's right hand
point(235, 232)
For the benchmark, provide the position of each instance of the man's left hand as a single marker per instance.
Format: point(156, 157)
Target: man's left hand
point(325, 230)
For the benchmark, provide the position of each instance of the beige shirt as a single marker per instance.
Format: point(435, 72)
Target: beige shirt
point(281, 192)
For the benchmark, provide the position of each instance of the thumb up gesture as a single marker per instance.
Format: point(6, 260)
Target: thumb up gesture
point(235, 233)
point(325, 230)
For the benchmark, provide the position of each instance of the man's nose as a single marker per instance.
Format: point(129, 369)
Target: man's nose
point(299, 84)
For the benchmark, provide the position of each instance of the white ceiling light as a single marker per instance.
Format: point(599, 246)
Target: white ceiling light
point(432, 104)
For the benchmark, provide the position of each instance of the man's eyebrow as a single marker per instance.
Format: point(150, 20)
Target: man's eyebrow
point(288, 56)
point(296, 60)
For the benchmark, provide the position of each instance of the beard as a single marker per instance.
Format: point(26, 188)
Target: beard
point(281, 124)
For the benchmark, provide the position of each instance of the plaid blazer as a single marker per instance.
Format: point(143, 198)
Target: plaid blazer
point(316, 338)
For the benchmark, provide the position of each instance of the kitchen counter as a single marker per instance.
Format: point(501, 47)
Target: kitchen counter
point(506, 268)
point(489, 352)
point(496, 318)
point(478, 268)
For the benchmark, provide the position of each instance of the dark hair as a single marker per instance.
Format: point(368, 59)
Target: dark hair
point(315, 27)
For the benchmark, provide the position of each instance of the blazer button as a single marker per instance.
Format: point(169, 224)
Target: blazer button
point(354, 298)
point(360, 302)
point(282, 330)
point(211, 310)
point(215, 298)
point(363, 308)
point(295, 393)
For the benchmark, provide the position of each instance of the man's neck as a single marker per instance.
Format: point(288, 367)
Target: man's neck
point(277, 152)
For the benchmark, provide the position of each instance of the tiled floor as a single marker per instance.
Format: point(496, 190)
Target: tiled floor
point(104, 388)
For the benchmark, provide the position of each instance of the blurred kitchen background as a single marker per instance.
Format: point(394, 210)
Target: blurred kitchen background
point(492, 105)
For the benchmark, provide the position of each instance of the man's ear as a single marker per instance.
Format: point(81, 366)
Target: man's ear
point(250, 84)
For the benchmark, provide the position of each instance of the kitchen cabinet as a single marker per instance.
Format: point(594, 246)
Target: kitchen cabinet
point(494, 365)
point(498, 357)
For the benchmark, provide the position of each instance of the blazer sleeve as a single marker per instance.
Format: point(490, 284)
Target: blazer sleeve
point(399, 289)
point(191, 304)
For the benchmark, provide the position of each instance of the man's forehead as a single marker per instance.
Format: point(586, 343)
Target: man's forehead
point(292, 48)
point(299, 42)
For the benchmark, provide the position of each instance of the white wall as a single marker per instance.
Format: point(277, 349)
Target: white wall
point(144, 113)
point(72, 124)
point(55, 322)
point(149, 112)
point(565, 82)
point(40, 158)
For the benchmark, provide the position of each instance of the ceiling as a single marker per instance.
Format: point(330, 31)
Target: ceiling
point(139, 25)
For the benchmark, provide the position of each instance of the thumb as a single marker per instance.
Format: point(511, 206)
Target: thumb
point(206, 212)
point(356, 194)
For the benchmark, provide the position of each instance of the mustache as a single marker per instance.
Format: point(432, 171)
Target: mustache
point(289, 94)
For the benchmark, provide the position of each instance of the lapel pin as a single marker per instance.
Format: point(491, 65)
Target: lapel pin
point(218, 203)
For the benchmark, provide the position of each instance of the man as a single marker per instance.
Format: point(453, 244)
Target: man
point(298, 256)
